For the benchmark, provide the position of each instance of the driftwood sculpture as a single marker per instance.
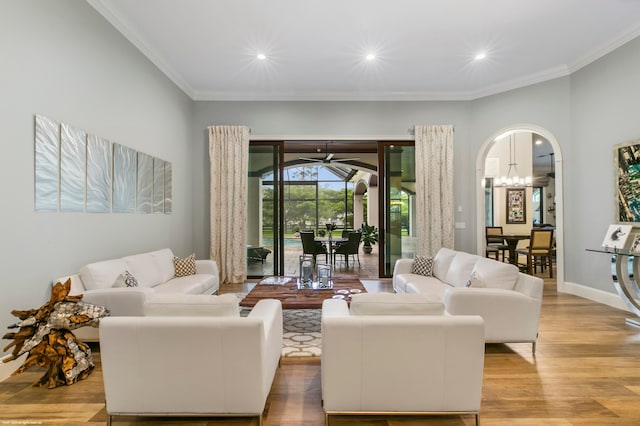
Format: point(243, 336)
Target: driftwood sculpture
point(46, 334)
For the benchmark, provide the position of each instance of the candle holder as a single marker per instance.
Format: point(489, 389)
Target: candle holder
point(324, 276)
point(306, 272)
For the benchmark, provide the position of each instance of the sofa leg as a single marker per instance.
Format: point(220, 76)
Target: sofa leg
point(108, 419)
point(477, 419)
point(533, 348)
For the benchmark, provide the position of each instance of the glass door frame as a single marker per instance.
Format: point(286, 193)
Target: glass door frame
point(384, 204)
point(278, 185)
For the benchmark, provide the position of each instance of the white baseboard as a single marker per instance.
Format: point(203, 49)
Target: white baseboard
point(610, 299)
point(11, 366)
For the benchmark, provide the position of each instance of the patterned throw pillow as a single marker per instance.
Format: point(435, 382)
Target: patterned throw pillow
point(186, 266)
point(423, 265)
point(125, 279)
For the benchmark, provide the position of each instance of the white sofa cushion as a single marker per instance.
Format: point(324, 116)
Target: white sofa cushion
point(191, 284)
point(102, 274)
point(460, 269)
point(442, 261)
point(495, 274)
point(428, 285)
point(164, 262)
point(144, 268)
point(225, 305)
point(395, 304)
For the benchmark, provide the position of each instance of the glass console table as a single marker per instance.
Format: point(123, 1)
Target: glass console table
point(625, 268)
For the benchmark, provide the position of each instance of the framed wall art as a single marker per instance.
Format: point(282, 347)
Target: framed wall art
point(626, 159)
point(516, 206)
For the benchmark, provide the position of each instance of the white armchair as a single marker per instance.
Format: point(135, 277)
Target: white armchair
point(191, 366)
point(400, 364)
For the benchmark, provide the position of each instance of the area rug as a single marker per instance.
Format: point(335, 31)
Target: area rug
point(301, 336)
point(301, 332)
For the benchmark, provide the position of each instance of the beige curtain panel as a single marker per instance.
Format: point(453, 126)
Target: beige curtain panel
point(434, 188)
point(229, 162)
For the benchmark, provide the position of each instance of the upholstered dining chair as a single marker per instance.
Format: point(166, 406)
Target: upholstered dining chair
point(540, 251)
point(494, 243)
point(311, 246)
point(350, 248)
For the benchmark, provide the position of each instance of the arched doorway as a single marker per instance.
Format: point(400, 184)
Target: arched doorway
point(558, 170)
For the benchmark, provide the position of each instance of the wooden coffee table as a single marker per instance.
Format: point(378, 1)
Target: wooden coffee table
point(294, 298)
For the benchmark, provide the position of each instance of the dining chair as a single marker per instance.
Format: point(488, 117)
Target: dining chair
point(494, 243)
point(540, 251)
point(311, 246)
point(350, 248)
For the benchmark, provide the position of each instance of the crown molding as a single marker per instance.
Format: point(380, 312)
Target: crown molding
point(332, 96)
point(517, 83)
point(604, 49)
point(126, 29)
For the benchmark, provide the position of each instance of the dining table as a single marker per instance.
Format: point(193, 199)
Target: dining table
point(512, 241)
point(331, 244)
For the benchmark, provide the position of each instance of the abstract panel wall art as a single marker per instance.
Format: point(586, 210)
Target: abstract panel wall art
point(73, 168)
point(79, 172)
point(158, 185)
point(145, 183)
point(47, 149)
point(124, 179)
point(167, 188)
point(98, 175)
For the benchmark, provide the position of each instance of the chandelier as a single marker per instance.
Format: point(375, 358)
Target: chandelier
point(512, 179)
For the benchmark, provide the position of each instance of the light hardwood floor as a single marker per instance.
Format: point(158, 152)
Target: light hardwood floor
point(586, 372)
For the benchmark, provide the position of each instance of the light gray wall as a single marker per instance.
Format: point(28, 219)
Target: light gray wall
point(604, 112)
point(587, 112)
point(332, 118)
point(63, 60)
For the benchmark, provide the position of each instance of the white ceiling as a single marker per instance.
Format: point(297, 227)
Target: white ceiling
point(316, 48)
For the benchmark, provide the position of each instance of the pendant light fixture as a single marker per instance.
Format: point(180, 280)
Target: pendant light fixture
point(512, 179)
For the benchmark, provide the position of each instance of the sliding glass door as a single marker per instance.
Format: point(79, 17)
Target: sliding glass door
point(397, 203)
point(264, 206)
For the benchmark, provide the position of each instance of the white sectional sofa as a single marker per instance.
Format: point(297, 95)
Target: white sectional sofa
point(400, 354)
point(155, 275)
point(508, 300)
point(221, 365)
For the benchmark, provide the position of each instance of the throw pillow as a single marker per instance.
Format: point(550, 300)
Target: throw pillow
point(125, 279)
point(423, 265)
point(475, 281)
point(186, 266)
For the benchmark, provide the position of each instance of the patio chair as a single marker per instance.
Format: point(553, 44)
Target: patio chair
point(311, 246)
point(350, 248)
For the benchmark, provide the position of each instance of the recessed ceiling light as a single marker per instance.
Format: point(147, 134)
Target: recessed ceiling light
point(538, 142)
point(370, 57)
point(261, 56)
point(480, 56)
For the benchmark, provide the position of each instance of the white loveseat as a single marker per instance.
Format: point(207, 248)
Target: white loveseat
point(191, 366)
point(508, 300)
point(155, 275)
point(399, 354)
